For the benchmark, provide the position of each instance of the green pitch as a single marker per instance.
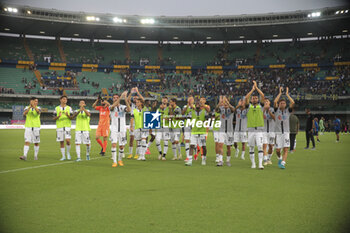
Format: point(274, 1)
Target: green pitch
point(311, 195)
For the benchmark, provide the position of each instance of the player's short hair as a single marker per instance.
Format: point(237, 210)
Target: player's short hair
point(173, 100)
point(282, 100)
point(63, 96)
point(82, 100)
point(33, 98)
point(141, 100)
point(164, 97)
point(115, 94)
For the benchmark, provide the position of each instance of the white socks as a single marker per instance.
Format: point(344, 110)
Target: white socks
point(174, 150)
point(166, 146)
point(114, 154)
point(36, 151)
point(187, 147)
point(228, 158)
point(130, 149)
point(252, 155)
point(159, 147)
point(178, 149)
point(25, 150)
point(77, 149)
point(88, 148)
point(242, 156)
point(143, 148)
point(121, 153)
point(68, 151)
point(63, 152)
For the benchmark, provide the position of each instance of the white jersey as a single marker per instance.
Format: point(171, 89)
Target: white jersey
point(269, 122)
point(226, 118)
point(118, 123)
point(282, 120)
point(241, 120)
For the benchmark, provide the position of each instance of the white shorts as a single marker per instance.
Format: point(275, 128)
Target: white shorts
point(82, 137)
point(32, 135)
point(175, 135)
point(255, 138)
point(282, 140)
point(226, 138)
point(187, 134)
point(116, 137)
point(269, 138)
point(131, 133)
point(240, 137)
point(63, 133)
point(140, 133)
point(216, 135)
point(198, 139)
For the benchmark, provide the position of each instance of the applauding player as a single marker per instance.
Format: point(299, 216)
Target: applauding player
point(32, 128)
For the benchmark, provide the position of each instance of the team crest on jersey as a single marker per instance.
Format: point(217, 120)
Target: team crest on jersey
point(151, 120)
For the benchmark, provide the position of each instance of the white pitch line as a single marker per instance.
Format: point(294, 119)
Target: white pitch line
point(44, 165)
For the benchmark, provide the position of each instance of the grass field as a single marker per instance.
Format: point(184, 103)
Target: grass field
point(310, 195)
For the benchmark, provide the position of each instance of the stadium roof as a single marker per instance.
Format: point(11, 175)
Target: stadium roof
point(298, 24)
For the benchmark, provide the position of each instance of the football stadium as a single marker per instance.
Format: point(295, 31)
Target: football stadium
point(186, 116)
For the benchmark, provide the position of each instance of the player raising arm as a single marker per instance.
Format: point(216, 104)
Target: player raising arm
point(282, 114)
point(103, 123)
point(255, 124)
point(118, 127)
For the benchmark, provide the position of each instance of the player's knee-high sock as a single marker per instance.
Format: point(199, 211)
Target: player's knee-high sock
point(99, 142)
point(260, 155)
point(68, 151)
point(36, 151)
point(187, 147)
point(77, 149)
point(25, 150)
point(114, 154)
point(174, 151)
point(143, 148)
point(165, 148)
point(178, 149)
point(243, 153)
point(131, 149)
point(63, 152)
point(88, 148)
point(138, 146)
point(105, 145)
point(159, 147)
point(121, 153)
point(251, 155)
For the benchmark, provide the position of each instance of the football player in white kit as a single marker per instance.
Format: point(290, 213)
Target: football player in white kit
point(118, 127)
point(240, 134)
point(282, 114)
point(226, 129)
point(255, 124)
point(269, 132)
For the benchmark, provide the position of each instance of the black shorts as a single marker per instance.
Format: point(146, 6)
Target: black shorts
point(337, 131)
